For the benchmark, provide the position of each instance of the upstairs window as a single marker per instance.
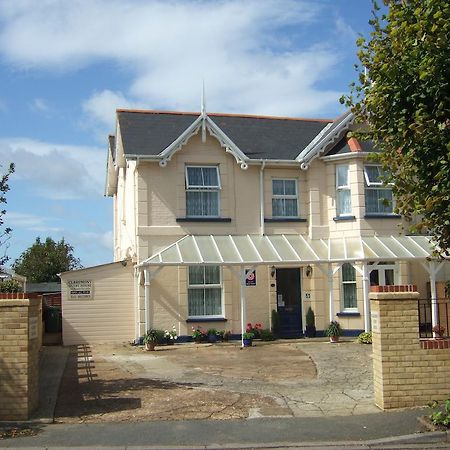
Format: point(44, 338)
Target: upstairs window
point(204, 291)
point(379, 198)
point(343, 193)
point(349, 287)
point(202, 191)
point(284, 198)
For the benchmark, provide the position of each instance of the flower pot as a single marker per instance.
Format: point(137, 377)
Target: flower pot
point(334, 339)
point(150, 346)
point(310, 331)
point(247, 342)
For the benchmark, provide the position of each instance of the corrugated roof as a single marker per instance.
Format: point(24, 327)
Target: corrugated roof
point(148, 133)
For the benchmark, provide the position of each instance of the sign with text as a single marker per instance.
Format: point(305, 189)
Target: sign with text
point(80, 289)
point(32, 328)
point(250, 277)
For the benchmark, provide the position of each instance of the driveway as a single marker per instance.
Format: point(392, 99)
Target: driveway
point(200, 381)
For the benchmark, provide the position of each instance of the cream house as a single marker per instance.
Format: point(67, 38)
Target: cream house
point(225, 218)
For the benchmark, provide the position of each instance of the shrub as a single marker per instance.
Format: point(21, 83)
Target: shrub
point(441, 413)
point(266, 335)
point(310, 318)
point(365, 338)
point(10, 285)
point(333, 329)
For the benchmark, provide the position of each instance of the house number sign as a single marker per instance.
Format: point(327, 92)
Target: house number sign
point(80, 289)
point(375, 322)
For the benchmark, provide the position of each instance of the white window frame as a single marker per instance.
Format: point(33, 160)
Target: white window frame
point(381, 269)
point(202, 188)
point(203, 287)
point(340, 188)
point(286, 197)
point(354, 308)
point(377, 185)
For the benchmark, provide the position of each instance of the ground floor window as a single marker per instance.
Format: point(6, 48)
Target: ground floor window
point(349, 287)
point(384, 274)
point(204, 291)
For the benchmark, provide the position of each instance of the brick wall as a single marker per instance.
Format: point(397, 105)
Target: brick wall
point(406, 372)
point(20, 340)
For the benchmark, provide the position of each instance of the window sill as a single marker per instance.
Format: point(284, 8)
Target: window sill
point(204, 219)
point(348, 314)
point(343, 218)
point(206, 319)
point(382, 216)
point(284, 219)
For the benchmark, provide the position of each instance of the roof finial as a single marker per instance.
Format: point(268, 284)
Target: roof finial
point(203, 113)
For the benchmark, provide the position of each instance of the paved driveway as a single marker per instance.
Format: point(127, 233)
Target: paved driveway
point(222, 381)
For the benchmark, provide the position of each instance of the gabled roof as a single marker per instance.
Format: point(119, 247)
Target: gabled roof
point(150, 133)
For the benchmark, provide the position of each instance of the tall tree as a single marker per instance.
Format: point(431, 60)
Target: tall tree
point(403, 95)
point(44, 260)
point(4, 231)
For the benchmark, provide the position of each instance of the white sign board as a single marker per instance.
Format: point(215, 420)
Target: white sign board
point(32, 328)
point(80, 289)
point(375, 322)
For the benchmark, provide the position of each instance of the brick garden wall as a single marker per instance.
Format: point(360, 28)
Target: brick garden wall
point(407, 371)
point(20, 341)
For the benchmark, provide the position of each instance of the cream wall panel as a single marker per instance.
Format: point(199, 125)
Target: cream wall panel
point(110, 315)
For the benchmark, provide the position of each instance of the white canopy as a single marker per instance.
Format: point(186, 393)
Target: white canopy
point(289, 249)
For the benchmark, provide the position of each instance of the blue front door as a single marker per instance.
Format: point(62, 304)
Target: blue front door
point(289, 303)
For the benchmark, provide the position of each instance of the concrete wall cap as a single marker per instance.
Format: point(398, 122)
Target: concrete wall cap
point(14, 302)
point(394, 295)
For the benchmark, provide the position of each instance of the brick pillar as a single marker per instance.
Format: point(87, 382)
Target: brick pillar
point(405, 372)
point(20, 324)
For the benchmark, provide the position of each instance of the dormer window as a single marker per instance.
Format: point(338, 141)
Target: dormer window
point(284, 198)
point(202, 191)
point(379, 198)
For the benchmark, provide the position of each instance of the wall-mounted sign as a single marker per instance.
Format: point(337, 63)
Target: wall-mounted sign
point(375, 322)
point(250, 277)
point(32, 328)
point(80, 289)
point(307, 295)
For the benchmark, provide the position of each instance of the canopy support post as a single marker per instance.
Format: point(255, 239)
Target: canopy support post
point(365, 277)
point(148, 277)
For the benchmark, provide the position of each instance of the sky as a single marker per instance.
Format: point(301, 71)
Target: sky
point(66, 65)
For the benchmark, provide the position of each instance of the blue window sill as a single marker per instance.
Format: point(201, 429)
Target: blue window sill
point(342, 218)
point(205, 319)
point(348, 314)
point(284, 219)
point(204, 219)
point(382, 216)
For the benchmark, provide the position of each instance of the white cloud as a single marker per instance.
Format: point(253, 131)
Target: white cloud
point(57, 171)
point(241, 50)
point(31, 222)
point(39, 105)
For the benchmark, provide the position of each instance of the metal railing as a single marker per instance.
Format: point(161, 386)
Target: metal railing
point(443, 317)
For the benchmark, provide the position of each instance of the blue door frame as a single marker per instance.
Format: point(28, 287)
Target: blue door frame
point(289, 302)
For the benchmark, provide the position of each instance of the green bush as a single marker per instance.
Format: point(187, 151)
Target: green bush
point(266, 335)
point(310, 318)
point(10, 285)
point(365, 338)
point(441, 413)
point(334, 329)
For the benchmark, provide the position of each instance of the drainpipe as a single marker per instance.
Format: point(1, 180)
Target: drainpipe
point(147, 299)
point(261, 196)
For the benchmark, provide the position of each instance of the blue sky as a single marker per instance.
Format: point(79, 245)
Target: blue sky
point(65, 66)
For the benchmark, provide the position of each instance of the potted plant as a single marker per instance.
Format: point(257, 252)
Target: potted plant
point(333, 331)
point(171, 335)
point(198, 335)
point(247, 338)
point(212, 335)
point(151, 338)
point(310, 323)
point(438, 331)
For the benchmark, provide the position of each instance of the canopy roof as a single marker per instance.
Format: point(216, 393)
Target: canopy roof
point(288, 249)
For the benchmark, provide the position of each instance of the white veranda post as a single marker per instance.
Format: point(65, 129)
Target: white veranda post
point(433, 268)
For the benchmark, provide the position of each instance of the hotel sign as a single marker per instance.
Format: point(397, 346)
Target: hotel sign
point(80, 289)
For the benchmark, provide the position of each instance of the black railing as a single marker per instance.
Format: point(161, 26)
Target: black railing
point(443, 317)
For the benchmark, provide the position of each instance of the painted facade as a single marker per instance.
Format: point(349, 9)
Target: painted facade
point(150, 213)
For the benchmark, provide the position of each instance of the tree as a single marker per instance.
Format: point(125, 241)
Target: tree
point(44, 260)
point(403, 97)
point(10, 285)
point(4, 232)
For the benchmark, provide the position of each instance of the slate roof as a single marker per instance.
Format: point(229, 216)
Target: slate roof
point(148, 133)
point(42, 288)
